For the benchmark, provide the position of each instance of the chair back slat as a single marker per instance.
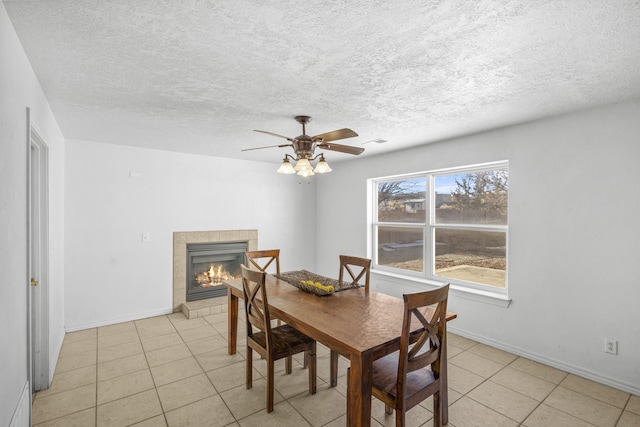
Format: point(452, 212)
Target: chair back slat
point(255, 299)
point(426, 350)
point(362, 270)
point(264, 259)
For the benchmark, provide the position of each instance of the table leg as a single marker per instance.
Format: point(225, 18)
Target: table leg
point(359, 391)
point(333, 368)
point(232, 303)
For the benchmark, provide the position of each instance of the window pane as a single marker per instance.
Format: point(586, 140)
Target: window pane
point(472, 198)
point(402, 201)
point(401, 247)
point(474, 256)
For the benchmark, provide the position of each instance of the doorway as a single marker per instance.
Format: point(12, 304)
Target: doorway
point(38, 236)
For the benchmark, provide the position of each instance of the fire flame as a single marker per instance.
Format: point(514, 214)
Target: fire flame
point(214, 276)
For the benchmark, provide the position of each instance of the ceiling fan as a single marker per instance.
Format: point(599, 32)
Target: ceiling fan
point(304, 147)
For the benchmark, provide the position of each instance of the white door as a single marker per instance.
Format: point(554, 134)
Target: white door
point(38, 262)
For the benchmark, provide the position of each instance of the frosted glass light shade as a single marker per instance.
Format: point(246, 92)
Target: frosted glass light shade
point(286, 167)
point(303, 164)
point(322, 167)
point(306, 172)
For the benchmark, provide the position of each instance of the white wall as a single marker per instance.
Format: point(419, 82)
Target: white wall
point(111, 275)
point(574, 275)
point(19, 89)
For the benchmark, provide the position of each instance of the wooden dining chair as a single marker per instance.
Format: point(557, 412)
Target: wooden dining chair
point(263, 261)
point(359, 271)
point(358, 268)
point(272, 343)
point(405, 378)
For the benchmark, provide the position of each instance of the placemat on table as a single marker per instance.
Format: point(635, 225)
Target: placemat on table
point(296, 277)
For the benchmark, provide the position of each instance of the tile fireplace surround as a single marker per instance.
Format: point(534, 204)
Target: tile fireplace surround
point(180, 241)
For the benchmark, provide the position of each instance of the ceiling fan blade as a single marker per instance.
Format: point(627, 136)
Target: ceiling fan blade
point(274, 134)
point(336, 135)
point(341, 148)
point(268, 146)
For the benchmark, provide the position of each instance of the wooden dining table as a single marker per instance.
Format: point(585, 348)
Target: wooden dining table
point(360, 325)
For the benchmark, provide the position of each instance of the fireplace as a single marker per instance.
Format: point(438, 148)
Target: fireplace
point(208, 264)
point(180, 270)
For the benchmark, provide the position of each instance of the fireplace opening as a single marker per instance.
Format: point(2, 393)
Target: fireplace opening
point(208, 264)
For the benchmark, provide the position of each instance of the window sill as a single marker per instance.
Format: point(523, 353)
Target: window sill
point(486, 297)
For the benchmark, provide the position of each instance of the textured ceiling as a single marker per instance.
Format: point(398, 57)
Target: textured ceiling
point(198, 76)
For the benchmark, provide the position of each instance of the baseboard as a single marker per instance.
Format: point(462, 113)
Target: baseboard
point(573, 369)
point(22, 414)
point(137, 316)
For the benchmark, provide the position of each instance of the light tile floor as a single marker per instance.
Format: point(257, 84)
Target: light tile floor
point(172, 371)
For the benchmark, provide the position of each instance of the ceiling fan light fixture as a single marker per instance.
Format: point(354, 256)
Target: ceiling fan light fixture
point(302, 165)
point(322, 166)
point(304, 146)
point(286, 167)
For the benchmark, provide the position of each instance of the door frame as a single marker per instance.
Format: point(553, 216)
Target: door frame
point(38, 257)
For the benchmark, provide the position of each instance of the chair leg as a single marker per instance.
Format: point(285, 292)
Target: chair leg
point(288, 365)
point(333, 365)
point(312, 369)
point(437, 410)
point(249, 373)
point(270, 379)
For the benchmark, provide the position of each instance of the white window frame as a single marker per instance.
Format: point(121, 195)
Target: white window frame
point(429, 226)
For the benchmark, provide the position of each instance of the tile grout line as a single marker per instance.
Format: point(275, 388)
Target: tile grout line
point(520, 423)
point(539, 402)
point(205, 374)
point(484, 381)
point(556, 386)
point(155, 387)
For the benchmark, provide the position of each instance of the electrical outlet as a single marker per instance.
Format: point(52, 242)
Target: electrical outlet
point(610, 346)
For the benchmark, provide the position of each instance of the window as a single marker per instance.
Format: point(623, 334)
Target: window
point(446, 225)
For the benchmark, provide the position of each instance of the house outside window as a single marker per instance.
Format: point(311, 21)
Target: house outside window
point(448, 225)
